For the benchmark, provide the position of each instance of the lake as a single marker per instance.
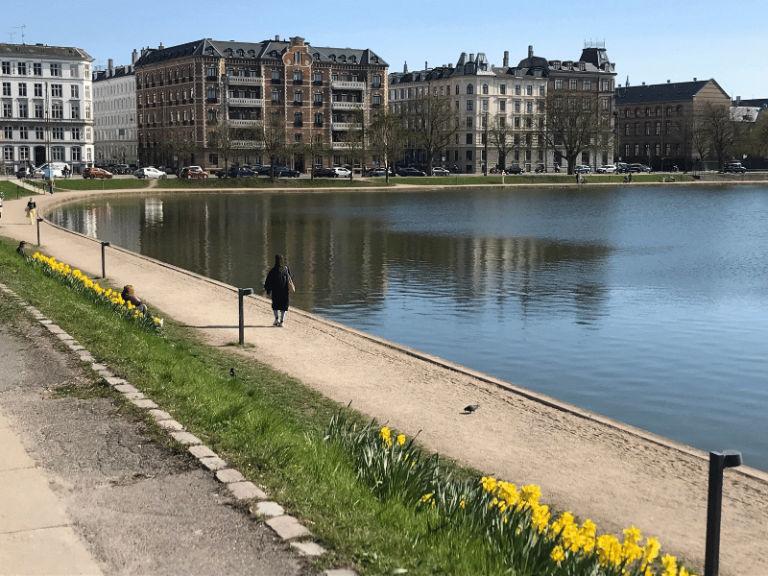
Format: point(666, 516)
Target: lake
point(646, 304)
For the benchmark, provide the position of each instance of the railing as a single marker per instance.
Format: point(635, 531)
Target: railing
point(244, 123)
point(248, 80)
point(246, 144)
point(347, 85)
point(345, 125)
point(246, 102)
point(346, 105)
point(341, 145)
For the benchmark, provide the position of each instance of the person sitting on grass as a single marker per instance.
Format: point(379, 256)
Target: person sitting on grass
point(20, 250)
point(129, 295)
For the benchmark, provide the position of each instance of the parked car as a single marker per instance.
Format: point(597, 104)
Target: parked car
point(622, 168)
point(437, 171)
point(734, 167)
point(607, 169)
point(56, 169)
point(342, 172)
point(193, 172)
point(324, 173)
point(285, 172)
point(235, 172)
point(638, 168)
point(149, 172)
point(581, 169)
point(410, 172)
point(381, 172)
point(94, 172)
point(514, 170)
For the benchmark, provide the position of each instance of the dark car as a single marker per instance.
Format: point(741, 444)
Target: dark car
point(324, 173)
point(514, 170)
point(285, 172)
point(410, 172)
point(622, 168)
point(240, 172)
point(638, 168)
point(734, 167)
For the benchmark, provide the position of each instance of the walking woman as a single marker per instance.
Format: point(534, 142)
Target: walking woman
point(279, 283)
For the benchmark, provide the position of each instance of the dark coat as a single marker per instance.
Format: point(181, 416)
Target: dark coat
point(277, 285)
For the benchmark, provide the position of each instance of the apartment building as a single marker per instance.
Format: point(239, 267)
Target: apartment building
point(655, 121)
point(114, 114)
point(46, 106)
point(184, 92)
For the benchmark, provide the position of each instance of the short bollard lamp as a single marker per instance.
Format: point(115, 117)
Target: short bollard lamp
point(240, 293)
point(718, 461)
point(38, 230)
point(103, 271)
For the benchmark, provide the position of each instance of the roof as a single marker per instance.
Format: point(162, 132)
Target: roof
point(266, 50)
point(758, 102)
point(669, 92)
point(40, 50)
point(116, 72)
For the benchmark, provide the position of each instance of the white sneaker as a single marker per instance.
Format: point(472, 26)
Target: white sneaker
point(276, 322)
point(280, 324)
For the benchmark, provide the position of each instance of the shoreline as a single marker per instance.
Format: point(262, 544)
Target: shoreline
point(597, 467)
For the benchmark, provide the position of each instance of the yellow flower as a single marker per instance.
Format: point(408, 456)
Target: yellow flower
point(650, 551)
point(670, 565)
point(558, 554)
point(401, 439)
point(426, 498)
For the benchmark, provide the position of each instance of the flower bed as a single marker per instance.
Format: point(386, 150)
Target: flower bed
point(515, 529)
point(80, 283)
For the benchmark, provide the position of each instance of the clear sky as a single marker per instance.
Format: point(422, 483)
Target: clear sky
point(650, 41)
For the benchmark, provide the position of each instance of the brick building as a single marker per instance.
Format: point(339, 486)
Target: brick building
point(655, 121)
point(184, 91)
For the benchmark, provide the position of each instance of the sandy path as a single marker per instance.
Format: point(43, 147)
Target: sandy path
point(598, 468)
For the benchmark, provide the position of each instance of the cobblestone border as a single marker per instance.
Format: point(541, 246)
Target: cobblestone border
point(287, 527)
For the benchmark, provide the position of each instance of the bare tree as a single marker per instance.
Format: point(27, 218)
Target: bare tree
point(500, 137)
point(313, 149)
point(432, 122)
point(387, 136)
point(222, 140)
point(721, 132)
point(574, 123)
point(273, 140)
point(758, 137)
point(176, 146)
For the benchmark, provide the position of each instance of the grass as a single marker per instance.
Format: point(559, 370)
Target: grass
point(80, 183)
point(11, 190)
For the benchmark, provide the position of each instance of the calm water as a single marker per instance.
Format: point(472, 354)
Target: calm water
point(648, 305)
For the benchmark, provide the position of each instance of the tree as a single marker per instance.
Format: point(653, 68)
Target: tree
point(313, 149)
point(574, 123)
point(222, 141)
point(387, 135)
point(176, 145)
point(273, 140)
point(758, 137)
point(720, 131)
point(432, 122)
point(500, 137)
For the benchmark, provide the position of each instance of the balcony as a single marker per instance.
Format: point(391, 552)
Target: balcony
point(345, 126)
point(346, 105)
point(347, 85)
point(341, 145)
point(245, 80)
point(244, 123)
point(251, 102)
point(246, 144)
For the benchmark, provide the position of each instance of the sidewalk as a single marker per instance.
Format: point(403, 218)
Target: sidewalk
point(593, 466)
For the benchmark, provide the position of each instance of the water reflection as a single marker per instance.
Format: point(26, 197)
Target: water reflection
point(646, 305)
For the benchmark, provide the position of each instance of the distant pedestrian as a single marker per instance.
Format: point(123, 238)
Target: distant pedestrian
point(1, 206)
point(577, 178)
point(31, 207)
point(279, 284)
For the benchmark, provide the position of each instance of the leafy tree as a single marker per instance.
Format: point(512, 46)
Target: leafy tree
point(387, 136)
point(432, 122)
point(574, 123)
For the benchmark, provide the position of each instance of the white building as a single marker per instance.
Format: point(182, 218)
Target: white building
point(46, 105)
point(114, 114)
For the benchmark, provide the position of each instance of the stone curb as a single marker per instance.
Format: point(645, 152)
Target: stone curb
point(285, 526)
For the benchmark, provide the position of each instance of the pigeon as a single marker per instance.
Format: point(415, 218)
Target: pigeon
point(232, 372)
point(471, 408)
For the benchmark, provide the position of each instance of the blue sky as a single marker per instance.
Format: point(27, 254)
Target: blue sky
point(651, 42)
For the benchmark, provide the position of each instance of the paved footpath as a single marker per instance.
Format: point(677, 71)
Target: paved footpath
point(596, 467)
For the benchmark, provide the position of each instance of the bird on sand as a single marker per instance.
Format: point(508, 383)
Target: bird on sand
point(232, 372)
point(471, 408)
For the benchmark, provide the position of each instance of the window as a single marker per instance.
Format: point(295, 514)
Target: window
point(485, 104)
point(297, 137)
point(58, 153)
point(502, 105)
point(318, 119)
point(469, 138)
point(469, 155)
point(517, 121)
point(55, 69)
point(77, 134)
point(317, 77)
point(377, 99)
point(485, 88)
point(587, 84)
point(470, 89)
point(517, 105)
point(6, 89)
point(21, 67)
point(39, 133)
point(75, 91)
point(38, 109)
point(75, 110)
point(8, 132)
point(57, 110)
point(470, 104)
point(6, 67)
point(38, 90)
point(647, 128)
point(529, 106)
point(469, 121)
point(297, 119)
point(275, 95)
point(275, 75)
point(529, 90)
point(318, 97)
point(8, 153)
point(23, 133)
point(606, 103)
point(658, 128)
point(23, 153)
point(23, 110)
point(542, 90)
point(559, 84)
point(573, 84)
point(22, 88)
point(626, 130)
point(377, 80)
point(297, 97)
point(7, 110)
point(57, 133)
point(56, 91)
point(76, 153)
point(297, 75)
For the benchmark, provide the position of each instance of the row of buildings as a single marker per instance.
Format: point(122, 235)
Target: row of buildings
point(163, 107)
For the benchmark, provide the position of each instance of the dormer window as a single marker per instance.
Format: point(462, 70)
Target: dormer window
point(251, 53)
point(353, 59)
point(228, 52)
point(342, 58)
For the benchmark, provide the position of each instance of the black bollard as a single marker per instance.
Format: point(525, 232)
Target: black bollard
point(103, 245)
point(240, 293)
point(717, 463)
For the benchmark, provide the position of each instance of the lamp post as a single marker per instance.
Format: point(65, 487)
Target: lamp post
point(485, 150)
point(103, 245)
point(38, 230)
point(240, 293)
point(717, 463)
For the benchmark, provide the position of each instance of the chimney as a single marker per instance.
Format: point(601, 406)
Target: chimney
point(506, 59)
point(738, 100)
point(405, 68)
point(277, 37)
point(471, 57)
point(161, 47)
point(667, 81)
point(694, 79)
point(110, 65)
point(134, 56)
point(530, 51)
point(425, 65)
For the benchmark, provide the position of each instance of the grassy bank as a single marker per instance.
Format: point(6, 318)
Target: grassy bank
point(265, 183)
point(354, 488)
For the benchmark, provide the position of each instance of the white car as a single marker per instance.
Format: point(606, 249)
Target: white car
point(149, 172)
point(437, 171)
point(342, 172)
point(607, 169)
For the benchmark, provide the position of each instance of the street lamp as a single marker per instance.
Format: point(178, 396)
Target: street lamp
point(717, 463)
point(485, 152)
point(103, 245)
point(240, 293)
point(38, 230)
